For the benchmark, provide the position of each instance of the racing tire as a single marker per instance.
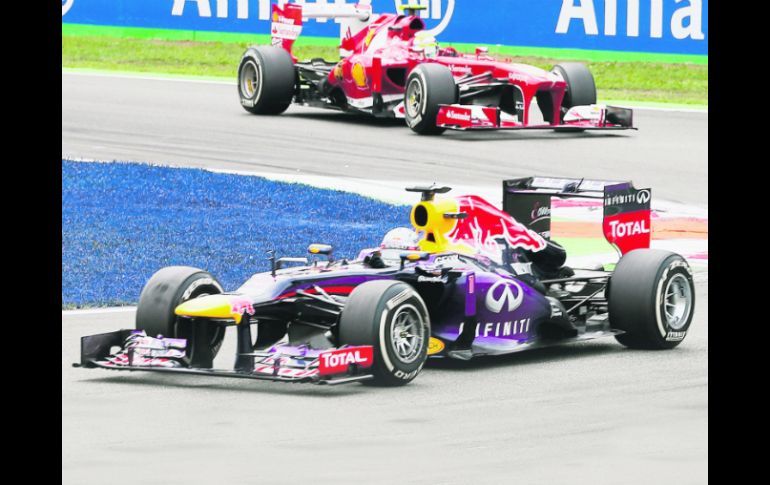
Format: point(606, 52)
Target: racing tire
point(392, 317)
point(581, 88)
point(266, 80)
point(651, 298)
point(167, 289)
point(428, 86)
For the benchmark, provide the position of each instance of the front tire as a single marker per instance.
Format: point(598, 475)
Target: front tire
point(392, 317)
point(167, 289)
point(581, 88)
point(651, 298)
point(266, 80)
point(428, 86)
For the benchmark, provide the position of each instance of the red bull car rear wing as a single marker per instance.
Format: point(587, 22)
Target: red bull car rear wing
point(592, 117)
point(625, 215)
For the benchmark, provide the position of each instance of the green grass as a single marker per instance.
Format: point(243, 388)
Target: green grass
point(679, 83)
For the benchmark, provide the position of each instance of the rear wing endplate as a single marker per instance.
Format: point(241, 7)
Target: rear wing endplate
point(287, 20)
point(625, 215)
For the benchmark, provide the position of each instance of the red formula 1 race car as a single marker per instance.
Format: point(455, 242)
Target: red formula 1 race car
point(390, 67)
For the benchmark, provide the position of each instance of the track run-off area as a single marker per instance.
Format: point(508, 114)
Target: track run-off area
point(593, 412)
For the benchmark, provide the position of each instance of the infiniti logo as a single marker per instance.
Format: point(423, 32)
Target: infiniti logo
point(511, 294)
point(433, 10)
point(66, 5)
point(643, 196)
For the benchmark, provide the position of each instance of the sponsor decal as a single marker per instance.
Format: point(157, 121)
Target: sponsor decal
point(686, 20)
point(358, 73)
point(430, 279)
point(406, 375)
point(539, 212)
point(511, 295)
point(239, 306)
point(643, 196)
point(631, 228)
point(626, 222)
point(485, 223)
point(506, 328)
point(337, 361)
point(460, 70)
point(66, 5)
point(435, 346)
point(675, 336)
point(454, 114)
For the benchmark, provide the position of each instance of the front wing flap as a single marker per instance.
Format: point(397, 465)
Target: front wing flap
point(133, 351)
point(593, 117)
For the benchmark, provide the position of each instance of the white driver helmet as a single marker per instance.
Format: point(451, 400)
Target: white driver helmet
point(401, 238)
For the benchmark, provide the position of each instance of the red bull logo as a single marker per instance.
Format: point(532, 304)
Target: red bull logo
point(485, 223)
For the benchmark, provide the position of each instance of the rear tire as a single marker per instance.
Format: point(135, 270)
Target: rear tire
point(166, 290)
point(266, 80)
point(384, 314)
point(428, 86)
point(581, 88)
point(651, 298)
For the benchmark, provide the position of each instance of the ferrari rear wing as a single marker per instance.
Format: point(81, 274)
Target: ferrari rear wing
point(287, 20)
point(626, 209)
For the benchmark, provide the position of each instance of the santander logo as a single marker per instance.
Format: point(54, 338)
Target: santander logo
point(458, 115)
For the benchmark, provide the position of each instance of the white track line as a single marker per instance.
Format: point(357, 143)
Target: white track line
point(151, 77)
point(96, 311)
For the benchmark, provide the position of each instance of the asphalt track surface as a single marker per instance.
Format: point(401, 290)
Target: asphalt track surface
point(593, 412)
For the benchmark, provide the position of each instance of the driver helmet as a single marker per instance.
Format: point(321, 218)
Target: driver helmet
point(427, 43)
point(401, 238)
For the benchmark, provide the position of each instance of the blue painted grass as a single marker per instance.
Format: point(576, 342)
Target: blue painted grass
point(121, 222)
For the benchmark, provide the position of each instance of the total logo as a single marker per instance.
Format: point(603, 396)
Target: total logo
point(337, 361)
point(510, 296)
point(632, 228)
point(66, 5)
point(440, 10)
point(334, 360)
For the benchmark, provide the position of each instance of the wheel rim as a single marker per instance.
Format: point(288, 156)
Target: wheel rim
point(216, 334)
point(414, 97)
point(251, 80)
point(677, 302)
point(407, 333)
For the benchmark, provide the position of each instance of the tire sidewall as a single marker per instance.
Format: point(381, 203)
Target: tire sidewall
point(667, 336)
point(425, 121)
point(162, 294)
point(251, 56)
point(388, 362)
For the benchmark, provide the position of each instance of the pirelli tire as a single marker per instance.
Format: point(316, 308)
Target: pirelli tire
point(652, 299)
point(427, 87)
point(266, 80)
point(167, 289)
point(392, 317)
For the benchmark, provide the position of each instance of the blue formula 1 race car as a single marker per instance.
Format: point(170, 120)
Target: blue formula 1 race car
point(468, 279)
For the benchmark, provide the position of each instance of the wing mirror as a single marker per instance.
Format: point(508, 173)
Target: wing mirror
point(325, 249)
